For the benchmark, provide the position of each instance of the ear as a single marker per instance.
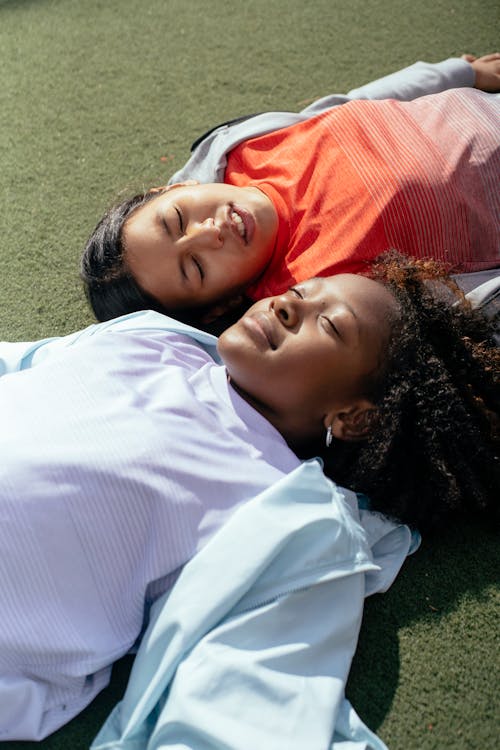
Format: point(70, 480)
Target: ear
point(353, 422)
point(166, 188)
point(221, 308)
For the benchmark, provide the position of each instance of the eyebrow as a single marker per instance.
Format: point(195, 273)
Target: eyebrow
point(346, 304)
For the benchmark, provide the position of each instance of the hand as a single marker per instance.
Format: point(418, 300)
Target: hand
point(487, 71)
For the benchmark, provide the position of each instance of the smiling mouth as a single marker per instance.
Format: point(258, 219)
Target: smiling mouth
point(237, 222)
point(260, 325)
point(242, 223)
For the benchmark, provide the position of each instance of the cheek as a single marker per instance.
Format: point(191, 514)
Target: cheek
point(264, 243)
point(308, 376)
point(225, 345)
point(289, 382)
point(149, 269)
point(231, 270)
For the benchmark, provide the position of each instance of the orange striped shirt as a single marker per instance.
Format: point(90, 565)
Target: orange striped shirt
point(420, 176)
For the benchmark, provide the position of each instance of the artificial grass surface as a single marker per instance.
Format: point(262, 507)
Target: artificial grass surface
point(98, 98)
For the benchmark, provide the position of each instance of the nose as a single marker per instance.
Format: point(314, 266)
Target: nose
point(207, 233)
point(287, 309)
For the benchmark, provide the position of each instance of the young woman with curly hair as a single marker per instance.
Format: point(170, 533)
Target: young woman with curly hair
point(433, 446)
point(130, 444)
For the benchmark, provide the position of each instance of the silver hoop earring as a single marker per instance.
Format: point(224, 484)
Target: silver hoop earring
point(329, 436)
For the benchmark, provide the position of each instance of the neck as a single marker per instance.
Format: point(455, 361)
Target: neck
point(297, 438)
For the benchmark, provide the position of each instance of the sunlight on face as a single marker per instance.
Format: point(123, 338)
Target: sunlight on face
point(196, 244)
point(307, 354)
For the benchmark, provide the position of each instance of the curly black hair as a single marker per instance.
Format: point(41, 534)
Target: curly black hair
point(432, 452)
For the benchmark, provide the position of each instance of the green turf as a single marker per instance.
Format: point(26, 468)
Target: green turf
point(99, 97)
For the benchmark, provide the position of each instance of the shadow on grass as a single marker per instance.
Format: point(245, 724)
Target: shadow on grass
point(432, 584)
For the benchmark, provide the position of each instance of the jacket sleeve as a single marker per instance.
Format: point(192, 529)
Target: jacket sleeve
point(272, 676)
point(419, 79)
point(253, 645)
point(208, 161)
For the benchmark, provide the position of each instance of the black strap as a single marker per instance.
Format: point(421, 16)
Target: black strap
point(227, 122)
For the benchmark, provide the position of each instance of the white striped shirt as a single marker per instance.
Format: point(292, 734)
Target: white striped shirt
point(122, 454)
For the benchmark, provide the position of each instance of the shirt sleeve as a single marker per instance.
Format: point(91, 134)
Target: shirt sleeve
point(273, 676)
point(258, 658)
point(22, 355)
point(24, 711)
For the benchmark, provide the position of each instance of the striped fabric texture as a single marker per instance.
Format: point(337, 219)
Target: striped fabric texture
point(420, 176)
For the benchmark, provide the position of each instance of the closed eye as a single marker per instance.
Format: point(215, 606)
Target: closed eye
point(179, 216)
point(296, 291)
point(331, 327)
point(199, 267)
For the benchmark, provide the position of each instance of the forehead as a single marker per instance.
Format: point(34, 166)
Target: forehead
point(364, 296)
point(143, 230)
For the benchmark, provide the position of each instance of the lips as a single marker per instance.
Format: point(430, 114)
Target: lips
point(244, 219)
point(261, 327)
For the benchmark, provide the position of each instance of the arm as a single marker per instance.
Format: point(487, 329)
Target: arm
point(21, 355)
point(419, 79)
point(255, 655)
point(209, 158)
point(29, 710)
point(271, 676)
point(416, 80)
point(16, 356)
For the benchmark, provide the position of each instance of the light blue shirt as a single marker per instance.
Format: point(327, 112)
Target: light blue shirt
point(253, 645)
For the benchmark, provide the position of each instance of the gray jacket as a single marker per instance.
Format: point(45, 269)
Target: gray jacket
point(209, 159)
